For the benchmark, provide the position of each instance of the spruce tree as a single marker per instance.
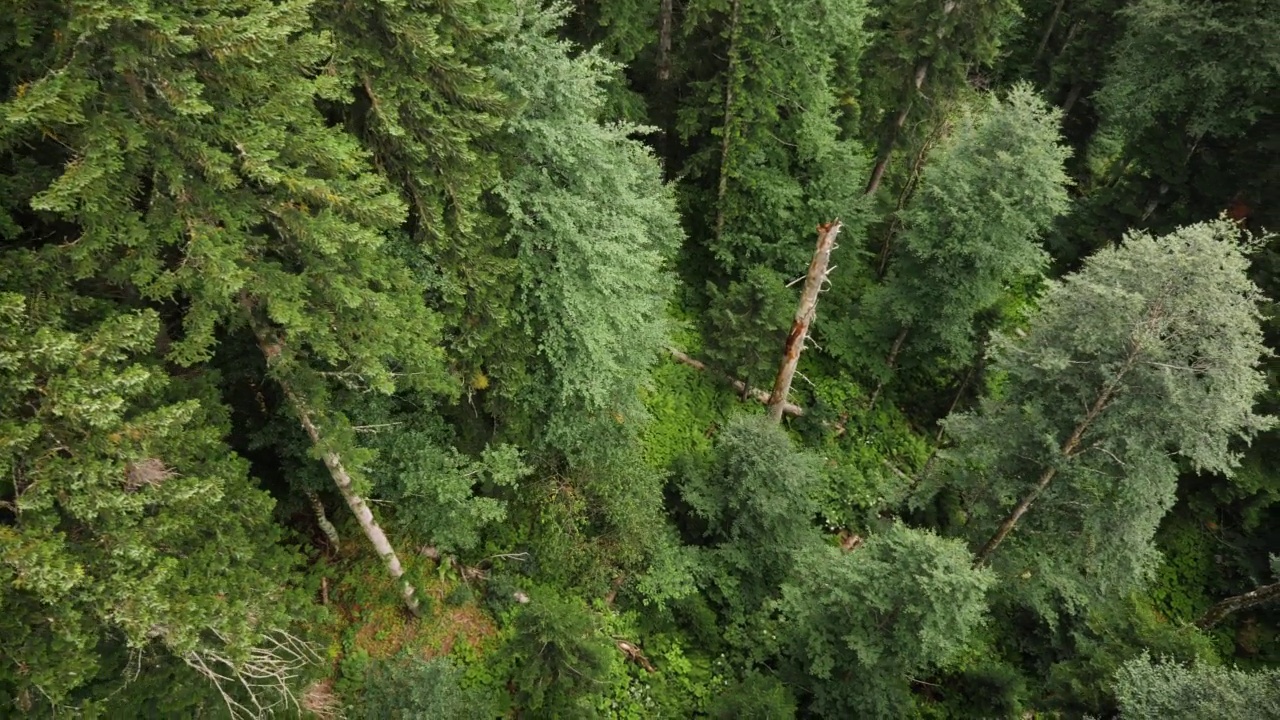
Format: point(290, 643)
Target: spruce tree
point(970, 232)
point(1150, 354)
point(861, 625)
point(177, 152)
point(763, 151)
point(123, 516)
point(923, 51)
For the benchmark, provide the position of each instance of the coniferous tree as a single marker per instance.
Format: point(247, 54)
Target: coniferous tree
point(756, 503)
point(1149, 690)
point(1148, 354)
point(863, 624)
point(123, 517)
point(764, 153)
point(178, 153)
point(970, 232)
point(923, 51)
point(592, 229)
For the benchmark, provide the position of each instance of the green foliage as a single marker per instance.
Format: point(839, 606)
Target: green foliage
point(864, 623)
point(410, 688)
point(1178, 587)
point(1148, 690)
point(754, 697)
point(748, 324)
point(763, 151)
point(1111, 635)
point(1150, 352)
point(970, 231)
point(561, 659)
point(125, 515)
point(593, 228)
point(755, 503)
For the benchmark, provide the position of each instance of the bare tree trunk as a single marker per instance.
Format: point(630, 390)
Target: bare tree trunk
point(886, 149)
point(891, 362)
point(919, 75)
point(1236, 603)
point(1048, 32)
point(759, 395)
point(805, 313)
point(1073, 95)
point(937, 438)
point(322, 520)
point(917, 165)
point(664, 41)
point(271, 349)
point(726, 130)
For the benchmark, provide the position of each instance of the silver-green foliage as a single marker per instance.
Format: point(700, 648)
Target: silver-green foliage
point(1147, 356)
point(1168, 690)
point(593, 228)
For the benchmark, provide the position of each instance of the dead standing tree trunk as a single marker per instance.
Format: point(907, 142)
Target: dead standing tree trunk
point(805, 313)
point(272, 347)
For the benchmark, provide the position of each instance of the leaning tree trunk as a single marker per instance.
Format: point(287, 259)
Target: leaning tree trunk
point(726, 130)
point(805, 313)
point(743, 388)
point(1236, 603)
point(1068, 450)
point(322, 520)
point(272, 348)
point(919, 74)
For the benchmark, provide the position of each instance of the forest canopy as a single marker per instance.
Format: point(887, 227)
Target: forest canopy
point(716, 358)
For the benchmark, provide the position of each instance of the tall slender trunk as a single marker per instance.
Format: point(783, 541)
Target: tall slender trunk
point(322, 520)
point(891, 362)
point(726, 129)
point(942, 432)
point(271, 349)
point(664, 41)
point(1073, 95)
point(1067, 451)
point(919, 74)
point(1048, 32)
point(805, 313)
point(917, 165)
point(1235, 603)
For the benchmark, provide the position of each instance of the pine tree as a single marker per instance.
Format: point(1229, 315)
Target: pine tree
point(1148, 354)
point(423, 102)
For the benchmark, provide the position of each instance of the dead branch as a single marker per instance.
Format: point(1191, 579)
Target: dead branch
point(262, 684)
point(760, 395)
